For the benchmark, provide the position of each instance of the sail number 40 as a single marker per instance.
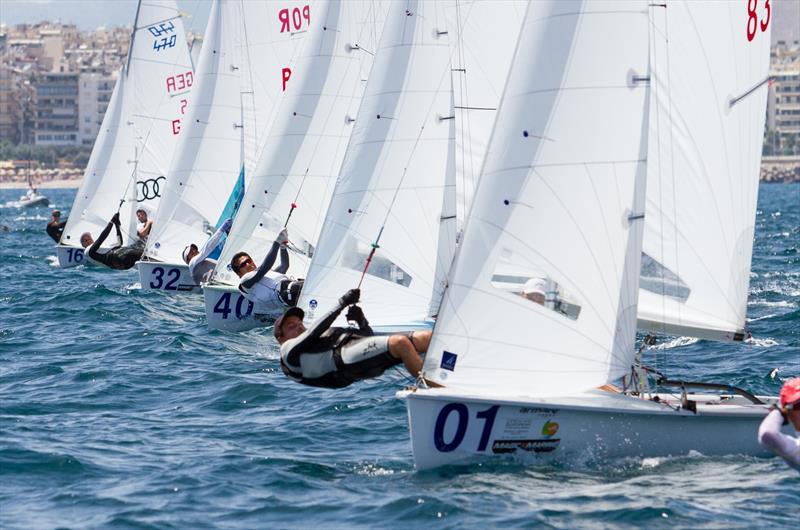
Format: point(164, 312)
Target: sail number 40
point(223, 307)
point(462, 418)
point(753, 22)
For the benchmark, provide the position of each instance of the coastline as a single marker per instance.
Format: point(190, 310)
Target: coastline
point(46, 185)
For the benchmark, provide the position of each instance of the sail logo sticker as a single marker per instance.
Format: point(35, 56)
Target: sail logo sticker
point(448, 360)
point(549, 429)
point(312, 304)
point(529, 446)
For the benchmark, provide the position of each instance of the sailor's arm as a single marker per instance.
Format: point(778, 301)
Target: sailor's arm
point(93, 250)
point(266, 265)
point(115, 220)
point(771, 438)
point(284, 265)
point(209, 246)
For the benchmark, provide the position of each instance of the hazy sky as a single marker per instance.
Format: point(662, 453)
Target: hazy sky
point(88, 14)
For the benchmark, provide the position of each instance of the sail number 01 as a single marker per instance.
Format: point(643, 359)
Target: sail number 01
point(753, 22)
point(462, 413)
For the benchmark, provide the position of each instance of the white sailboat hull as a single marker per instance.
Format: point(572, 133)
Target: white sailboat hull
point(166, 277)
point(228, 310)
point(449, 427)
point(70, 256)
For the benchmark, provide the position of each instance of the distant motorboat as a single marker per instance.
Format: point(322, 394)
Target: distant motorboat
point(31, 199)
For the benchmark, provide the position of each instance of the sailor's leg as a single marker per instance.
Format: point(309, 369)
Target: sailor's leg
point(401, 348)
point(421, 340)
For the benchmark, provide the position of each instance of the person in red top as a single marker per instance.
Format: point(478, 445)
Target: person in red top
point(769, 433)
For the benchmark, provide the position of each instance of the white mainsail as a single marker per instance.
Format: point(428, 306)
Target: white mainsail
point(391, 187)
point(140, 128)
point(210, 159)
point(560, 200)
point(306, 142)
point(707, 103)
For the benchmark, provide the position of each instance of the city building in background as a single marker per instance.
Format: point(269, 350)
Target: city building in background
point(783, 105)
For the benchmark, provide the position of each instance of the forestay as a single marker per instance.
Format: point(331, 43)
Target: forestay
point(209, 166)
point(559, 203)
point(306, 142)
point(140, 129)
point(710, 68)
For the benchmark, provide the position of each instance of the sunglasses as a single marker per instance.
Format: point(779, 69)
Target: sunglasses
point(243, 262)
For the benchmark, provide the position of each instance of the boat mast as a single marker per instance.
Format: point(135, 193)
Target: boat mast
point(133, 37)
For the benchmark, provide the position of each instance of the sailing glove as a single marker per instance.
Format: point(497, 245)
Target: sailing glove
point(226, 226)
point(283, 236)
point(350, 297)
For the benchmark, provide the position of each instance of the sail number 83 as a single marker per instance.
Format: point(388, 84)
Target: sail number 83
point(753, 22)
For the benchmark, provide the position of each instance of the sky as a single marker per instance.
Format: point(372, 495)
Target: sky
point(89, 14)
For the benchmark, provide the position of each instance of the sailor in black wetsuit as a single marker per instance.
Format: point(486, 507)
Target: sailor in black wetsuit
point(119, 257)
point(56, 226)
point(334, 357)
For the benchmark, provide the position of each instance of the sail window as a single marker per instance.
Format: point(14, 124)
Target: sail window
point(355, 256)
point(658, 279)
point(533, 285)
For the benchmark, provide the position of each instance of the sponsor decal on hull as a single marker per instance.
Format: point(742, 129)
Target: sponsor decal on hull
point(529, 446)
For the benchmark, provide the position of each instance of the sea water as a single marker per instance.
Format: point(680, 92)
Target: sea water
point(120, 409)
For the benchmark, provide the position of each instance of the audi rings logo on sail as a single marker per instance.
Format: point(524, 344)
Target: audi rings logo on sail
point(149, 189)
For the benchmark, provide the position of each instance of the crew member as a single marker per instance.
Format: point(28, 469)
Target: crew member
point(334, 357)
point(200, 266)
point(145, 224)
point(118, 257)
point(769, 433)
point(56, 226)
point(262, 285)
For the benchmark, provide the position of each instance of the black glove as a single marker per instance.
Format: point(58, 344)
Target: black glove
point(350, 297)
point(115, 218)
point(355, 314)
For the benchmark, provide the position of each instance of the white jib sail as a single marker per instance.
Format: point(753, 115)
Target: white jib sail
point(393, 177)
point(708, 103)
point(559, 206)
point(482, 45)
point(210, 155)
point(307, 140)
point(141, 126)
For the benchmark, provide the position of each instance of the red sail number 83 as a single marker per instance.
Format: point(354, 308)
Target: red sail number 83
point(752, 19)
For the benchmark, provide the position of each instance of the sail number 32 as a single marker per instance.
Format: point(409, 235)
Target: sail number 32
point(753, 22)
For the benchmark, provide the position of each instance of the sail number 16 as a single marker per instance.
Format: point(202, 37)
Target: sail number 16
point(753, 22)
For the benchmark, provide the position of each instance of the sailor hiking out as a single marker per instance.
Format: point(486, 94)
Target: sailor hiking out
point(262, 286)
point(769, 434)
point(201, 267)
point(335, 357)
point(118, 257)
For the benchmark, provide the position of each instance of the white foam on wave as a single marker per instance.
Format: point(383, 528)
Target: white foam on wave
point(674, 343)
point(762, 318)
point(52, 260)
point(766, 303)
point(764, 343)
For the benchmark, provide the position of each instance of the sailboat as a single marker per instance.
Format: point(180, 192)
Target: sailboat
point(408, 174)
point(206, 180)
point(303, 152)
point(139, 131)
point(562, 200)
